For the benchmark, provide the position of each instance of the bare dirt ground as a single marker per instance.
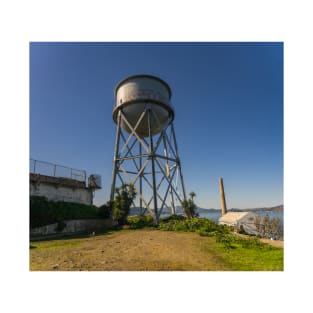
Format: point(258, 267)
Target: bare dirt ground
point(141, 250)
point(275, 243)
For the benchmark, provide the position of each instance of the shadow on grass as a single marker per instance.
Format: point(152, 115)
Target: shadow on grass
point(78, 235)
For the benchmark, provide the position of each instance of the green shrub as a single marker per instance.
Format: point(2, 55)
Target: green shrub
point(44, 212)
point(249, 242)
point(190, 224)
point(136, 222)
point(204, 227)
point(172, 225)
point(202, 232)
point(105, 210)
point(226, 239)
point(229, 240)
point(173, 217)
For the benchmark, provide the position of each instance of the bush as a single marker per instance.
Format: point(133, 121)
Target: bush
point(105, 210)
point(227, 240)
point(194, 224)
point(136, 222)
point(45, 212)
point(173, 217)
point(250, 243)
point(204, 227)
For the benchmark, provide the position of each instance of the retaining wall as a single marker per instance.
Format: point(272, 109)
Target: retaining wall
point(73, 226)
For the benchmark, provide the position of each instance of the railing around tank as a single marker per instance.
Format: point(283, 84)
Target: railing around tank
point(55, 170)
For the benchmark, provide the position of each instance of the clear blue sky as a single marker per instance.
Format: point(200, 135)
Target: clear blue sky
point(228, 100)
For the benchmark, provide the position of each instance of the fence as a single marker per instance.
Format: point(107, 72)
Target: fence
point(54, 170)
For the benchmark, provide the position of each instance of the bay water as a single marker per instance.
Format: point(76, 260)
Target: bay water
point(214, 216)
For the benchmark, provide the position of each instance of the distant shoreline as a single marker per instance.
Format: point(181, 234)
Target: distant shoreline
point(278, 208)
point(179, 210)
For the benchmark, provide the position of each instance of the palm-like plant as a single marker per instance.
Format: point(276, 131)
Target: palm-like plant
point(192, 195)
point(189, 206)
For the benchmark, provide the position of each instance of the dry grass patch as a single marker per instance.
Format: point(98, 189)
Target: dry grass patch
point(128, 250)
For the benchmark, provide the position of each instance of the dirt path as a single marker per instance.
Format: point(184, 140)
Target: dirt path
point(129, 251)
point(275, 243)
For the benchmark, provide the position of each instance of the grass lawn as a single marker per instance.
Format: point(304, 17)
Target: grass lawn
point(265, 258)
point(152, 250)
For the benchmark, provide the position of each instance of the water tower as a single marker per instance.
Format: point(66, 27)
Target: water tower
point(146, 153)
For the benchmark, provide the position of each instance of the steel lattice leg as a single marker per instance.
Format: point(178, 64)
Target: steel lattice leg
point(160, 156)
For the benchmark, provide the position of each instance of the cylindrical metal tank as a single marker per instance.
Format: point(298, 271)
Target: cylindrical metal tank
point(137, 93)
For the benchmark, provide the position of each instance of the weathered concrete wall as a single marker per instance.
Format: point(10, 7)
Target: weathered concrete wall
point(58, 189)
point(73, 226)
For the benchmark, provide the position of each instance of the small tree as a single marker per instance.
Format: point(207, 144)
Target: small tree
point(192, 195)
point(124, 197)
point(189, 206)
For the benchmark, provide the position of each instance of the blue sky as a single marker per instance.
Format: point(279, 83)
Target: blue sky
point(228, 100)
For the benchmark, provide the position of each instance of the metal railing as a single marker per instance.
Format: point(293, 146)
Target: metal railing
point(55, 170)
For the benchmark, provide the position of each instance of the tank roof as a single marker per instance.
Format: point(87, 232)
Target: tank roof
point(147, 76)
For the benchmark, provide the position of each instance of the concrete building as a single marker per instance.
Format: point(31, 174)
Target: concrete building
point(240, 220)
point(63, 183)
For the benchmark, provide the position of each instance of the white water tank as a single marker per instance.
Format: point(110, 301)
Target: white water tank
point(137, 93)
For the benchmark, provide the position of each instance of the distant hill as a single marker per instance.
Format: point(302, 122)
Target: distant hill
point(235, 210)
point(201, 210)
point(277, 208)
point(179, 210)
